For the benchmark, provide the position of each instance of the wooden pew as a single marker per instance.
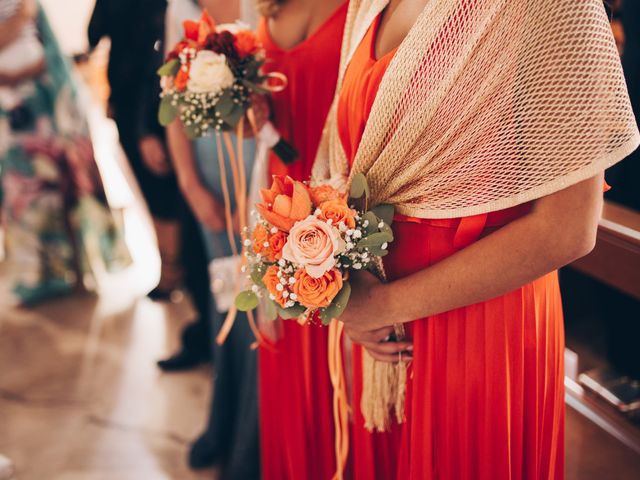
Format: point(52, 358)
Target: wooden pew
point(616, 257)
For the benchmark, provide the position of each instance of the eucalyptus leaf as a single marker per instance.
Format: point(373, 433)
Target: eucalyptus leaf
point(359, 187)
point(246, 301)
point(385, 212)
point(270, 310)
point(233, 117)
point(291, 312)
point(375, 240)
point(169, 69)
point(373, 220)
point(257, 274)
point(225, 105)
point(378, 251)
point(337, 306)
point(167, 112)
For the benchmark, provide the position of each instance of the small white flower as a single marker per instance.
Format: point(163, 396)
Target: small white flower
point(272, 296)
point(247, 243)
point(385, 245)
point(318, 212)
point(357, 234)
point(365, 224)
point(285, 294)
point(255, 289)
point(265, 244)
point(283, 281)
point(292, 280)
point(381, 225)
point(274, 230)
point(350, 246)
point(279, 287)
point(281, 262)
point(293, 296)
point(357, 266)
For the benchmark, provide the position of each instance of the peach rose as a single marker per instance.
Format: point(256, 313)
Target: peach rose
point(324, 193)
point(313, 244)
point(338, 211)
point(315, 292)
point(285, 203)
point(260, 239)
point(276, 244)
point(271, 281)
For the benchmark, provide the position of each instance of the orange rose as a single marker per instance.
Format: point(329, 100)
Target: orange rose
point(276, 244)
point(246, 43)
point(182, 78)
point(260, 240)
point(271, 281)
point(324, 193)
point(338, 211)
point(285, 203)
point(317, 292)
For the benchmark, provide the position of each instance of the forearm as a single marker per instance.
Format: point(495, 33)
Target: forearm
point(515, 255)
point(182, 157)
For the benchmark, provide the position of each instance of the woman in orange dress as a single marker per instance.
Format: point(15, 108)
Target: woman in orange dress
point(485, 395)
point(302, 40)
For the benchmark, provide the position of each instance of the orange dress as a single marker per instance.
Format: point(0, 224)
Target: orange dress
point(485, 396)
point(296, 421)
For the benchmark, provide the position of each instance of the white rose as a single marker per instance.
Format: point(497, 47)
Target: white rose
point(209, 73)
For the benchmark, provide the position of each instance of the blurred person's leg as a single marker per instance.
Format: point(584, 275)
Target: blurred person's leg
point(231, 436)
point(162, 198)
point(196, 347)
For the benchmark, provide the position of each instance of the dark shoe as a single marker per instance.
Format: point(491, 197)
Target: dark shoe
point(202, 454)
point(181, 361)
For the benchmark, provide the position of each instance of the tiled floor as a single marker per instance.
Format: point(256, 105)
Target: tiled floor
point(81, 397)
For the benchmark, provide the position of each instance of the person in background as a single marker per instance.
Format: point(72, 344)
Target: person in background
point(136, 30)
point(230, 439)
point(54, 210)
point(302, 39)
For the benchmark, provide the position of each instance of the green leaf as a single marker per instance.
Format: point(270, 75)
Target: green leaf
point(169, 69)
point(375, 240)
point(270, 310)
point(246, 301)
point(338, 305)
point(192, 131)
point(233, 117)
point(385, 212)
point(378, 251)
point(167, 112)
point(359, 187)
point(257, 274)
point(291, 312)
point(255, 88)
point(225, 105)
point(373, 220)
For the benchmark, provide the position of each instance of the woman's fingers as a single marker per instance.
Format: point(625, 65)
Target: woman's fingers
point(371, 336)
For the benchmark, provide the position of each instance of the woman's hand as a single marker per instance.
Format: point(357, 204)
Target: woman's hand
point(154, 155)
point(207, 208)
point(366, 323)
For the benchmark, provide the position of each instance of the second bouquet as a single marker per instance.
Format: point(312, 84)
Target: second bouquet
point(304, 245)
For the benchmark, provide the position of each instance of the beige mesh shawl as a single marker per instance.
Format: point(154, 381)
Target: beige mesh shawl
point(487, 104)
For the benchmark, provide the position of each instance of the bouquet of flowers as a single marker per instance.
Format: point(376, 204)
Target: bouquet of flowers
point(305, 243)
point(210, 78)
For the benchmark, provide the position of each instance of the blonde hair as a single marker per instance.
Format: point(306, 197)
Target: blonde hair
point(269, 8)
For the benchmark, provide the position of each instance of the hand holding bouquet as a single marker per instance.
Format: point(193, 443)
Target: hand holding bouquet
point(306, 242)
point(212, 78)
